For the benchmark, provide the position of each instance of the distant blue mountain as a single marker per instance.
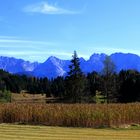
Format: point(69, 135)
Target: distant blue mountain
point(54, 67)
point(126, 61)
point(51, 68)
point(14, 65)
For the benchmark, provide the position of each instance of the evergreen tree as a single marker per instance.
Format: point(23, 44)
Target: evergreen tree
point(58, 87)
point(129, 86)
point(93, 83)
point(75, 81)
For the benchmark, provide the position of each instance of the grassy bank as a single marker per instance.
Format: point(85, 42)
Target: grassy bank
point(16, 132)
point(73, 115)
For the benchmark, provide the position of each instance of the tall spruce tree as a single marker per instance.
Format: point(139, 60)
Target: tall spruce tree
point(75, 81)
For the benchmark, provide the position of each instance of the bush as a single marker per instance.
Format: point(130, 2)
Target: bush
point(5, 96)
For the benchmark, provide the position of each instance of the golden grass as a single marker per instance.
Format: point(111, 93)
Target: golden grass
point(21, 132)
point(28, 98)
point(73, 115)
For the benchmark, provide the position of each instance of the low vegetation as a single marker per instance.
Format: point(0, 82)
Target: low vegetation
point(28, 98)
point(73, 115)
point(16, 132)
point(5, 96)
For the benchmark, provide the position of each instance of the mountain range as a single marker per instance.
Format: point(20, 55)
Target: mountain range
point(54, 67)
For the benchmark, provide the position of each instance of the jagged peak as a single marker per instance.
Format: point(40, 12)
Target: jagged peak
point(97, 56)
point(124, 54)
point(82, 59)
point(54, 66)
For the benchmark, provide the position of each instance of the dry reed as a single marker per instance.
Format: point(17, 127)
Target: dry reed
point(74, 115)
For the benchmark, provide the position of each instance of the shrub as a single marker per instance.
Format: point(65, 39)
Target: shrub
point(5, 96)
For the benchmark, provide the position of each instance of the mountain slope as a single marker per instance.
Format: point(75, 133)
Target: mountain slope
point(126, 61)
point(54, 67)
point(14, 65)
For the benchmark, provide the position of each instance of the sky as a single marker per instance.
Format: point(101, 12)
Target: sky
point(36, 29)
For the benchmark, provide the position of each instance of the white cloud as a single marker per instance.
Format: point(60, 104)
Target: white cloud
point(21, 41)
point(45, 8)
point(30, 49)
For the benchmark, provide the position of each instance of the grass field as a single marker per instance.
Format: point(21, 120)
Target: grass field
point(21, 132)
point(31, 98)
point(28, 98)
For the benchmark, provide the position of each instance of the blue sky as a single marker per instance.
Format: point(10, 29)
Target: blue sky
point(36, 29)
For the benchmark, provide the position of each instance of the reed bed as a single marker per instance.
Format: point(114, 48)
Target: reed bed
point(73, 115)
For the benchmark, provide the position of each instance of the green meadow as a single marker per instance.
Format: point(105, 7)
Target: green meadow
point(23, 132)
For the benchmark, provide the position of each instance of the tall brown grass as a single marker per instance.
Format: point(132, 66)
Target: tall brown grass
point(75, 115)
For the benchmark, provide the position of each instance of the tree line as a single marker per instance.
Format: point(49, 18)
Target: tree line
point(77, 87)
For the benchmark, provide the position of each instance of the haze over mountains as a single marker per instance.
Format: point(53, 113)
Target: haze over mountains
point(54, 67)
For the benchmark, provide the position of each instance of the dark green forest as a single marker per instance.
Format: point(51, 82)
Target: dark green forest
point(105, 87)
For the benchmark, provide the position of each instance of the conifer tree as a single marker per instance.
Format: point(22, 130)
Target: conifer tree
point(75, 81)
